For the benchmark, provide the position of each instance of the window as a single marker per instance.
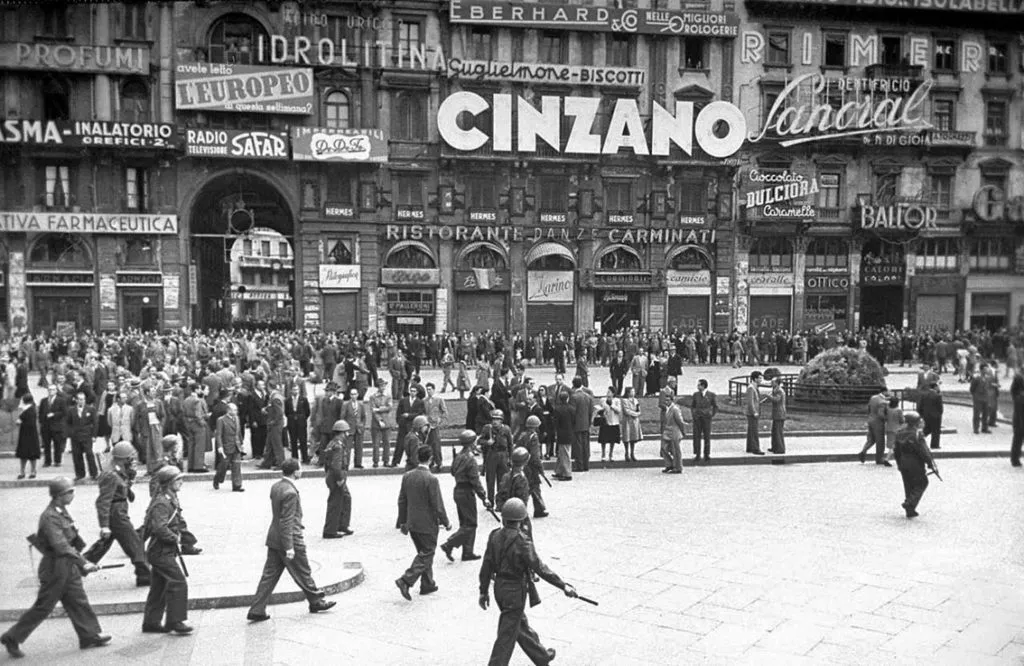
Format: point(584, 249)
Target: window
point(339, 251)
point(310, 199)
point(339, 185)
point(618, 196)
point(518, 37)
point(139, 251)
point(991, 254)
point(344, 36)
point(829, 194)
point(938, 254)
point(480, 193)
point(57, 184)
point(552, 48)
point(835, 49)
point(136, 189)
point(827, 253)
point(945, 55)
point(778, 47)
point(995, 122)
point(55, 20)
point(248, 278)
point(944, 114)
point(887, 187)
point(768, 98)
point(410, 120)
point(480, 44)
point(998, 58)
point(892, 50)
point(264, 248)
point(485, 257)
point(693, 53)
point(942, 193)
point(553, 193)
point(56, 98)
point(283, 249)
point(620, 50)
point(996, 198)
point(134, 20)
point(68, 250)
point(771, 253)
point(247, 247)
point(620, 259)
point(410, 34)
point(586, 48)
point(336, 110)
point(692, 197)
point(410, 256)
point(233, 40)
point(134, 101)
point(689, 260)
point(409, 190)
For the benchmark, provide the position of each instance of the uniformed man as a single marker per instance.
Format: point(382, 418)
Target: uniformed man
point(530, 440)
point(912, 454)
point(416, 438)
point(115, 492)
point(60, 575)
point(496, 442)
point(511, 561)
point(339, 501)
point(163, 528)
point(171, 445)
point(515, 484)
point(467, 485)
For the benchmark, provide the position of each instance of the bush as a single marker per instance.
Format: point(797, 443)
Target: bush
point(854, 374)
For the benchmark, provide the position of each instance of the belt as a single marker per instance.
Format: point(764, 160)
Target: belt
point(464, 485)
point(517, 579)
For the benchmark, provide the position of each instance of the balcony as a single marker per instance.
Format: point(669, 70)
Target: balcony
point(882, 71)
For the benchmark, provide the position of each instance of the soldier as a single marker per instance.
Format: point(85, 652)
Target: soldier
point(912, 454)
point(515, 484)
point(171, 445)
point(530, 441)
point(467, 484)
point(163, 528)
point(416, 438)
point(496, 442)
point(339, 500)
point(511, 561)
point(380, 424)
point(60, 575)
point(115, 485)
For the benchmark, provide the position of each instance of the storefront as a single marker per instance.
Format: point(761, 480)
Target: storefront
point(826, 301)
point(936, 301)
point(771, 302)
point(994, 301)
point(60, 278)
point(340, 286)
point(883, 275)
point(409, 290)
point(619, 282)
point(550, 288)
point(139, 294)
point(688, 286)
point(482, 283)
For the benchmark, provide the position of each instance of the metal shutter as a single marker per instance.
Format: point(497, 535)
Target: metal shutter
point(477, 312)
point(935, 312)
point(341, 312)
point(769, 313)
point(688, 313)
point(553, 317)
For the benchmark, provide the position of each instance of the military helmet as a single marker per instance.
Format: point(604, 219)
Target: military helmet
point(911, 417)
point(513, 509)
point(341, 425)
point(467, 437)
point(520, 456)
point(60, 485)
point(532, 421)
point(420, 421)
point(167, 475)
point(169, 442)
point(123, 450)
point(497, 414)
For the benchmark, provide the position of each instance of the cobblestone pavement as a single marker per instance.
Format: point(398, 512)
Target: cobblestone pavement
point(810, 564)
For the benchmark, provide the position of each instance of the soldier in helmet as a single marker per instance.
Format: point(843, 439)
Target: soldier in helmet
point(115, 493)
point(496, 442)
point(515, 484)
point(60, 575)
point(530, 440)
point(416, 438)
point(339, 501)
point(172, 445)
point(163, 528)
point(912, 454)
point(511, 561)
point(467, 485)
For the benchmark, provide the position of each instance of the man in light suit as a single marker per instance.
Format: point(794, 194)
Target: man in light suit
point(420, 511)
point(353, 412)
point(703, 407)
point(229, 448)
point(286, 549)
point(752, 409)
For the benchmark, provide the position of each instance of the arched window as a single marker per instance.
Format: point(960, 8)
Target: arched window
point(825, 253)
point(336, 110)
point(56, 98)
point(409, 256)
point(135, 101)
point(551, 262)
point(484, 256)
point(619, 259)
point(771, 253)
point(234, 38)
point(689, 259)
point(65, 249)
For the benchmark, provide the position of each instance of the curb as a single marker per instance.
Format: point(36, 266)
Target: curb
point(206, 603)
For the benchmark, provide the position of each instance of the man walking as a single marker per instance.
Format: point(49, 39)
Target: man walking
point(911, 457)
point(115, 492)
point(420, 511)
point(703, 407)
point(229, 447)
point(752, 409)
point(467, 489)
point(876, 428)
point(286, 547)
point(339, 500)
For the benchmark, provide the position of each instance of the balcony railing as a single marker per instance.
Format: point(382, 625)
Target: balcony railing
point(258, 261)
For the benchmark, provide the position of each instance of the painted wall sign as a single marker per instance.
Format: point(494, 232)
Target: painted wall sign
point(623, 280)
point(88, 133)
point(761, 280)
point(237, 144)
point(779, 194)
point(63, 279)
point(403, 212)
point(625, 127)
point(339, 211)
point(827, 283)
point(88, 223)
point(554, 218)
point(337, 276)
point(322, 144)
point(550, 286)
point(511, 234)
point(899, 216)
point(326, 52)
point(540, 72)
point(693, 220)
point(75, 57)
point(687, 280)
point(974, 6)
point(243, 88)
point(543, 16)
point(482, 279)
point(136, 279)
point(410, 307)
point(410, 277)
point(172, 291)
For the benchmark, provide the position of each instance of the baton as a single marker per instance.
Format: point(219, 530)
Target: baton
point(181, 560)
point(545, 477)
point(936, 473)
point(491, 511)
point(111, 566)
point(585, 600)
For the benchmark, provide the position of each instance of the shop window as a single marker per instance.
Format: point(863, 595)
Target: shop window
point(551, 262)
point(995, 122)
point(619, 259)
point(586, 48)
point(829, 195)
point(820, 308)
point(233, 40)
point(945, 55)
point(942, 193)
point(944, 114)
point(134, 24)
point(136, 189)
point(480, 193)
point(344, 37)
point(991, 254)
point(410, 118)
point(827, 254)
point(56, 98)
point(409, 35)
point(771, 253)
point(835, 50)
point(692, 196)
point(56, 185)
point(67, 250)
point(339, 251)
point(620, 50)
point(689, 260)
point(938, 254)
point(55, 20)
point(140, 251)
point(336, 110)
point(485, 257)
point(409, 256)
point(134, 101)
point(553, 193)
point(409, 190)
point(892, 50)
point(877, 252)
point(998, 58)
point(553, 47)
point(480, 44)
point(778, 48)
point(693, 53)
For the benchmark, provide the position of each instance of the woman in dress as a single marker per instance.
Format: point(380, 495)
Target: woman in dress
point(608, 425)
point(462, 378)
point(28, 435)
point(654, 371)
point(630, 424)
point(545, 411)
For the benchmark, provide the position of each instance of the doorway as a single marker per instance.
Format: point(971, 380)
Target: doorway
point(141, 310)
point(881, 306)
point(617, 310)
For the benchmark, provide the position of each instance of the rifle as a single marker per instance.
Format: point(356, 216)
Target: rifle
point(545, 477)
point(935, 471)
point(109, 566)
point(491, 511)
point(177, 546)
point(584, 599)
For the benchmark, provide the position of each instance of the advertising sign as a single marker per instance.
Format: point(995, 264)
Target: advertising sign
point(550, 286)
point(1005, 7)
point(410, 277)
point(826, 282)
point(514, 234)
point(75, 57)
point(341, 211)
point(682, 281)
point(762, 280)
point(337, 276)
point(237, 144)
point(909, 216)
point(779, 194)
point(88, 133)
point(321, 144)
point(534, 72)
point(243, 88)
point(482, 279)
point(88, 223)
point(882, 274)
point(544, 16)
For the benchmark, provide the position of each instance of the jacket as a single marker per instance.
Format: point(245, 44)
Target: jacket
point(354, 413)
point(703, 405)
point(285, 532)
point(752, 406)
point(778, 398)
point(81, 428)
point(381, 413)
point(57, 535)
point(420, 506)
point(58, 408)
point(119, 417)
point(674, 426)
point(583, 407)
point(612, 412)
point(227, 435)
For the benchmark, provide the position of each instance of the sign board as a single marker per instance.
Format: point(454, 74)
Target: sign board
point(779, 194)
point(507, 233)
point(237, 144)
point(243, 88)
point(341, 211)
point(84, 58)
point(997, 7)
point(321, 144)
point(406, 212)
point(410, 307)
point(680, 281)
point(410, 277)
point(88, 223)
point(64, 328)
point(337, 276)
point(826, 282)
point(550, 286)
point(899, 217)
point(108, 293)
point(762, 280)
point(623, 279)
point(139, 279)
point(482, 279)
point(546, 73)
point(77, 133)
point(172, 291)
point(882, 274)
point(59, 279)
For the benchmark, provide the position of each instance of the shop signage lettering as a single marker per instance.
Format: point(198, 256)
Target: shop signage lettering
point(482, 279)
point(88, 223)
point(511, 234)
point(837, 283)
point(535, 72)
point(623, 279)
point(67, 279)
point(124, 279)
point(974, 6)
point(335, 276)
point(550, 286)
point(944, 138)
point(483, 215)
point(882, 274)
point(772, 188)
point(555, 16)
point(240, 144)
point(688, 279)
point(323, 144)
point(409, 213)
point(770, 280)
point(615, 298)
point(243, 88)
point(868, 115)
point(911, 216)
point(620, 218)
point(991, 205)
point(693, 220)
point(339, 211)
point(625, 128)
point(410, 276)
point(75, 57)
point(326, 52)
point(88, 133)
point(410, 307)
point(554, 218)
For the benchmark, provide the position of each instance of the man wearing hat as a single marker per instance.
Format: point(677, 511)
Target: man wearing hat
point(115, 492)
point(417, 437)
point(381, 418)
point(515, 484)
point(339, 501)
point(467, 489)
point(912, 454)
point(228, 437)
point(876, 428)
point(60, 575)
point(496, 442)
point(326, 411)
point(168, 592)
point(420, 512)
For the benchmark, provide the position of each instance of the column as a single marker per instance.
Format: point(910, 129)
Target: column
point(855, 246)
point(166, 63)
point(101, 37)
point(800, 244)
point(17, 294)
point(444, 318)
point(517, 295)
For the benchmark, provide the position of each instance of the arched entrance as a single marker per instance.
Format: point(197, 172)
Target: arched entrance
point(883, 274)
point(688, 281)
point(60, 278)
point(617, 309)
point(550, 288)
point(242, 235)
point(482, 282)
point(410, 278)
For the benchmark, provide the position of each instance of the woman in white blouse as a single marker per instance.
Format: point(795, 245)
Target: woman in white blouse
point(608, 423)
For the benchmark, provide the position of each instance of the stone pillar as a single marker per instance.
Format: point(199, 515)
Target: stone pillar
point(853, 306)
point(908, 293)
point(445, 320)
point(166, 63)
point(800, 244)
point(17, 294)
point(101, 37)
point(517, 297)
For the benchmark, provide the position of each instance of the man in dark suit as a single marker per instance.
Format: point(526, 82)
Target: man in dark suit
point(703, 407)
point(228, 437)
point(296, 409)
point(259, 401)
point(420, 511)
point(617, 369)
point(353, 412)
point(500, 395)
point(79, 385)
point(52, 417)
point(286, 548)
point(930, 407)
point(80, 425)
point(583, 407)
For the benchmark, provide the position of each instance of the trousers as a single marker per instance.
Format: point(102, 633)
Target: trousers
point(495, 466)
point(59, 580)
point(933, 430)
point(168, 590)
point(753, 438)
point(778, 436)
point(581, 450)
point(124, 533)
point(55, 442)
point(275, 443)
point(563, 463)
point(513, 627)
point(339, 505)
point(298, 440)
point(465, 505)
point(422, 566)
point(234, 461)
point(81, 453)
point(379, 437)
point(915, 481)
point(297, 568)
point(702, 432)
